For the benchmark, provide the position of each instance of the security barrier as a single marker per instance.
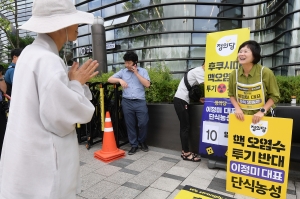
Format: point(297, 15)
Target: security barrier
point(105, 97)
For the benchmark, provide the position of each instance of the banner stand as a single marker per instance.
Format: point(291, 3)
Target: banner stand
point(212, 164)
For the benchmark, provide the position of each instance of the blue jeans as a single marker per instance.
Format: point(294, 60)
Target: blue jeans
point(135, 112)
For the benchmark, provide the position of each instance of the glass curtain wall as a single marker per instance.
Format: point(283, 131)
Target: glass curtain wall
point(173, 32)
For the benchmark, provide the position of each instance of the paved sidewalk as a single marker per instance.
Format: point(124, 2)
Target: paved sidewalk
point(157, 174)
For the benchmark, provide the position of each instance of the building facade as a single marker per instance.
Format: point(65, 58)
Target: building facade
point(173, 32)
point(24, 12)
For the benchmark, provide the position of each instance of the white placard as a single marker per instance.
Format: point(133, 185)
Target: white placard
point(210, 132)
point(223, 134)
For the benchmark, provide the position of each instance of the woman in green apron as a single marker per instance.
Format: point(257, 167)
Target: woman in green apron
point(253, 88)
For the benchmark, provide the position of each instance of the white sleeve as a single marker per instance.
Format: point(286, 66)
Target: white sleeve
point(64, 103)
point(200, 76)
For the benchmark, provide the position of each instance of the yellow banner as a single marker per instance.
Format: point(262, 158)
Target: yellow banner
point(221, 59)
point(259, 156)
point(189, 192)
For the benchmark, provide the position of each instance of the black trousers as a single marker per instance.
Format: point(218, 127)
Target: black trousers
point(181, 108)
point(3, 122)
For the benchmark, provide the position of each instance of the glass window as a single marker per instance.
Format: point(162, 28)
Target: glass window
point(110, 58)
point(136, 42)
point(82, 60)
point(97, 13)
point(108, 23)
point(170, 25)
point(139, 16)
point(83, 30)
point(83, 7)
point(83, 40)
point(121, 32)
point(176, 65)
point(171, 11)
point(179, 38)
point(94, 4)
point(207, 10)
point(106, 12)
point(79, 1)
point(118, 57)
point(120, 20)
point(198, 38)
point(205, 24)
point(127, 6)
point(138, 29)
point(105, 2)
point(146, 54)
point(109, 35)
point(123, 44)
point(170, 52)
point(194, 63)
point(197, 51)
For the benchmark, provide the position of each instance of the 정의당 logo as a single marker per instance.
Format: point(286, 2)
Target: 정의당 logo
point(260, 128)
point(226, 45)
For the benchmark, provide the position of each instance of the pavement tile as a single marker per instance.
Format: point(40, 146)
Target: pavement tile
point(219, 184)
point(289, 196)
point(84, 170)
point(135, 156)
point(196, 182)
point(188, 164)
point(292, 192)
point(129, 171)
point(297, 185)
point(119, 177)
point(173, 194)
point(205, 173)
point(90, 180)
point(240, 196)
point(152, 157)
point(173, 177)
point(221, 174)
point(145, 178)
point(179, 171)
point(134, 186)
point(140, 165)
point(121, 163)
point(99, 190)
point(166, 184)
point(82, 163)
point(94, 163)
point(291, 185)
point(168, 159)
point(221, 192)
point(151, 193)
point(123, 193)
point(107, 170)
point(161, 166)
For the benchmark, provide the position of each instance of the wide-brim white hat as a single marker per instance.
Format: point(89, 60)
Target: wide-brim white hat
point(52, 15)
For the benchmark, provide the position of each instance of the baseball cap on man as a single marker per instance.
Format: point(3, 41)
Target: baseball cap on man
point(52, 15)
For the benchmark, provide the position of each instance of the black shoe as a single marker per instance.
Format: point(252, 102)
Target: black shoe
point(133, 150)
point(144, 147)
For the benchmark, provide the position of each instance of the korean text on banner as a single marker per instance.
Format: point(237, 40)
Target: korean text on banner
point(259, 156)
point(220, 61)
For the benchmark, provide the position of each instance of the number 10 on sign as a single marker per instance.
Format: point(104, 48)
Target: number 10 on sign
point(215, 133)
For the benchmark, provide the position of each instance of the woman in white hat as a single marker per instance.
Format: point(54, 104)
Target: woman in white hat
point(40, 157)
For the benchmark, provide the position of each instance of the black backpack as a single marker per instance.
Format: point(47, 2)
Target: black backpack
point(194, 91)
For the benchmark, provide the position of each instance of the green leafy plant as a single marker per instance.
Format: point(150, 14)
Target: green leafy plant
point(163, 85)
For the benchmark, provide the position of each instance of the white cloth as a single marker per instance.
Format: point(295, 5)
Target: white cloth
point(195, 77)
point(40, 156)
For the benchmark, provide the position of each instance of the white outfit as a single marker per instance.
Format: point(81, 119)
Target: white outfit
point(40, 157)
point(195, 77)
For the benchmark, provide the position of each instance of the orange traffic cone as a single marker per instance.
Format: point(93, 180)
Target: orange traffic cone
point(109, 151)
